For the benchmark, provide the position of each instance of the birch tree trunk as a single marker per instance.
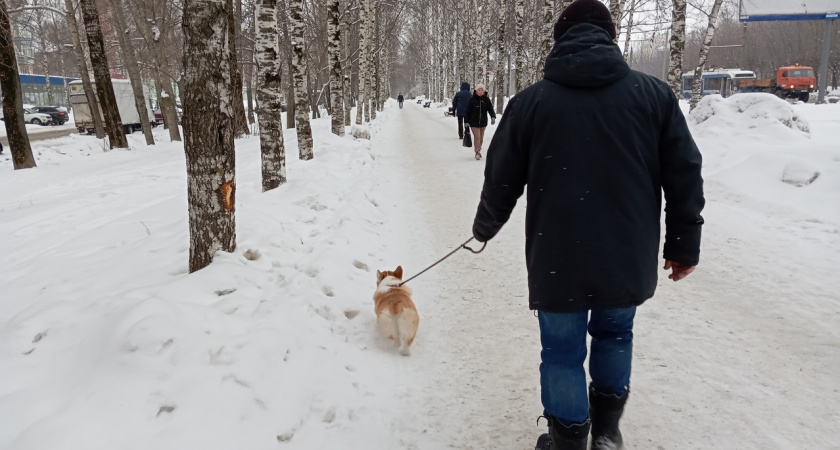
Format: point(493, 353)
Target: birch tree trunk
point(104, 88)
point(373, 68)
point(240, 121)
point(548, 36)
point(627, 41)
point(697, 84)
point(83, 70)
point(347, 64)
point(269, 95)
point(302, 126)
point(334, 35)
point(616, 8)
point(677, 43)
point(518, 10)
point(22, 157)
point(501, 85)
point(209, 130)
point(133, 71)
point(364, 12)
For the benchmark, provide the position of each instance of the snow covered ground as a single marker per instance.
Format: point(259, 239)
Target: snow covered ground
point(107, 342)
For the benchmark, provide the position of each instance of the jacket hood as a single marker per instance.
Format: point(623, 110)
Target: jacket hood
point(585, 56)
point(465, 86)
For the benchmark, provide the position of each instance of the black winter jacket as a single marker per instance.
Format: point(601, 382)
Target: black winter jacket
point(597, 144)
point(477, 110)
point(459, 102)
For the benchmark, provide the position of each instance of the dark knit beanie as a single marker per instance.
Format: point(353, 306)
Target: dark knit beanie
point(584, 11)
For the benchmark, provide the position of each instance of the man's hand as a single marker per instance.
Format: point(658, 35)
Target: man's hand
point(492, 121)
point(678, 271)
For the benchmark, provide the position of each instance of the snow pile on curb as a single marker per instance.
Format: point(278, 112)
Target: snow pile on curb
point(747, 113)
point(800, 173)
point(360, 132)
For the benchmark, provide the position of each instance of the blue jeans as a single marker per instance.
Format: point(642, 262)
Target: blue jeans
point(562, 377)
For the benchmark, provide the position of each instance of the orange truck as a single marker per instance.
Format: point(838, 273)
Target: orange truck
point(791, 82)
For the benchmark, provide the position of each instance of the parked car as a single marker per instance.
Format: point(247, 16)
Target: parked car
point(36, 118)
point(58, 116)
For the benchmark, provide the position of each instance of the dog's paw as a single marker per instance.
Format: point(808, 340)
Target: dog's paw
point(405, 351)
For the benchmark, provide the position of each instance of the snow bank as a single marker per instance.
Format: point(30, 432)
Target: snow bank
point(800, 173)
point(107, 342)
point(747, 113)
point(360, 132)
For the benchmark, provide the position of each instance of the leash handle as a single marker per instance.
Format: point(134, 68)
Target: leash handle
point(464, 245)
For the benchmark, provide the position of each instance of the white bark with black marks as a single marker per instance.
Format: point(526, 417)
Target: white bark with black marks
point(209, 130)
point(302, 125)
point(518, 10)
point(269, 95)
point(336, 97)
point(697, 83)
point(677, 43)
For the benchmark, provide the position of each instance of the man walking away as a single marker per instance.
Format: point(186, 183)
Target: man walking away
point(597, 144)
point(459, 106)
point(400, 99)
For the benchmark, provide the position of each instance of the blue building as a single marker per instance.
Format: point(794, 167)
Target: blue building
point(34, 89)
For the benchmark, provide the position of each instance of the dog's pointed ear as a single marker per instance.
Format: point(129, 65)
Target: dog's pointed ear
point(378, 276)
point(398, 272)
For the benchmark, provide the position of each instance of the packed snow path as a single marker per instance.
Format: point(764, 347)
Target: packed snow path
point(742, 354)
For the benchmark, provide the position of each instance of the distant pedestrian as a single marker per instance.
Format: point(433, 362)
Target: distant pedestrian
point(459, 107)
point(400, 99)
point(597, 144)
point(477, 110)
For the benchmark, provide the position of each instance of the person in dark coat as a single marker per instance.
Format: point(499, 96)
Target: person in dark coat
point(477, 110)
point(400, 99)
point(459, 106)
point(597, 144)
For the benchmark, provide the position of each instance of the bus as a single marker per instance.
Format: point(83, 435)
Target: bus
point(716, 81)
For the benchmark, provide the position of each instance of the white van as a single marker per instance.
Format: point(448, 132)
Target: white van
point(125, 105)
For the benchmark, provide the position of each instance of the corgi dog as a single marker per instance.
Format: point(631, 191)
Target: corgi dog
point(396, 314)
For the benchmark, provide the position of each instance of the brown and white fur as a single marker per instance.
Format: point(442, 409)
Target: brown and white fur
point(396, 314)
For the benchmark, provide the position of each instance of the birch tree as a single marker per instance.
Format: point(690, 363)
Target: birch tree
point(240, 120)
point(697, 83)
point(518, 10)
point(209, 129)
point(334, 31)
point(677, 43)
point(22, 157)
point(501, 58)
point(302, 125)
point(364, 11)
point(616, 9)
point(269, 95)
point(87, 86)
point(630, 14)
point(102, 77)
point(133, 70)
point(548, 36)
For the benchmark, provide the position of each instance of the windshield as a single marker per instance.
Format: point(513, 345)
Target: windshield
point(797, 73)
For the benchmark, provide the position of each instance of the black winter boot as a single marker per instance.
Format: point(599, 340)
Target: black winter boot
point(605, 411)
point(562, 437)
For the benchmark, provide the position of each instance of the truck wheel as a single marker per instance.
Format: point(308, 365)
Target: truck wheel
point(779, 93)
point(804, 97)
